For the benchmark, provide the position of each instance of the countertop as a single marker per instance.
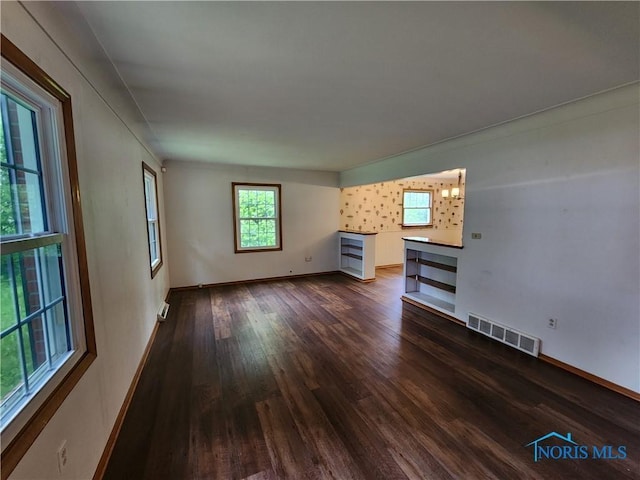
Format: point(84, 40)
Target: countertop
point(432, 242)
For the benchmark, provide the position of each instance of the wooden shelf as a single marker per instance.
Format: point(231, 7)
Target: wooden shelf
point(352, 255)
point(349, 245)
point(434, 283)
point(441, 266)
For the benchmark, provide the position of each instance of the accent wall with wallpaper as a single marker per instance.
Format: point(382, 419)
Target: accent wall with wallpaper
point(377, 208)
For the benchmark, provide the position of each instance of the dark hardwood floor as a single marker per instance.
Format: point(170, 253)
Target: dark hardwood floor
point(325, 377)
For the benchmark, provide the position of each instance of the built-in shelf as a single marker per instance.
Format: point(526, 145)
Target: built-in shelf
point(441, 266)
point(352, 271)
point(352, 246)
point(356, 254)
point(431, 274)
point(430, 300)
point(434, 283)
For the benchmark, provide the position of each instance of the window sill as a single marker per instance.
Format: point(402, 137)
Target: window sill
point(155, 269)
point(416, 226)
point(259, 249)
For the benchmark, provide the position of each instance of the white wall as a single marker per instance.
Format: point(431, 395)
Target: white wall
point(555, 196)
point(125, 299)
point(200, 216)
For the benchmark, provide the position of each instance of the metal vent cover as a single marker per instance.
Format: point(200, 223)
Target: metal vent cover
point(504, 334)
point(511, 338)
point(485, 327)
point(497, 332)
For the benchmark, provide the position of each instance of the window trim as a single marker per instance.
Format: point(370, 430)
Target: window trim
point(20, 444)
point(236, 226)
point(147, 169)
point(421, 225)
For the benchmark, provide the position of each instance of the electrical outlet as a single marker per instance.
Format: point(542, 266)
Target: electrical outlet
point(308, 259)
point(476, 236)
point(553, 323)
point(62, 456)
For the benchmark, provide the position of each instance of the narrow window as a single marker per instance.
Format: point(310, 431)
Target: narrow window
point(153, 219)
point(256, 209)
point(416, 208)
point(46, 327)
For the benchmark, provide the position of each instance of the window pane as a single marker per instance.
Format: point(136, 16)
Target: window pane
point(407, 200)
point(150, 197)
point(58, 330)
point(8, 314)
point(10, 367)
point(257, 203)
point(258, 233)
point(416, 216)
point(28, 277)
point(22, 206)
point(21, 193)
point(20, 133)
point(153, 241)
point(152, 232)
point(33, 344)
point(416, 199)
point(8, 223)
point(27, 284)
point(245, 233)
point(51, 270)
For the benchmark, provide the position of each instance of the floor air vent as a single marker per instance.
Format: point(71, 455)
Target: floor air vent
point(504, 334)
point(163, 312)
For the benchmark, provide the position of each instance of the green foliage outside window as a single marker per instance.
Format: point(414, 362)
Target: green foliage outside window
point(258, 220)
point(10, 374)
point(416, 208)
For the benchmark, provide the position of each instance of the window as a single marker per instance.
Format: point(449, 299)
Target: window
point(153, 220)
point(416, 208)
point(256, 209)
point(46, 329)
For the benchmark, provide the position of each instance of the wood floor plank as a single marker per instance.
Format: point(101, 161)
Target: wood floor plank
point(358, 436)
point(247, 447)
point(289, 456)
point(325, 377)
point(313, 425)
point(220, 315)
point(412, 457)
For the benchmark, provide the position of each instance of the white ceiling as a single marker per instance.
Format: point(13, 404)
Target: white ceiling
point(332, 85)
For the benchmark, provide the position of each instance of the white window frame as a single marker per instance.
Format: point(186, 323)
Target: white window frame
point(237, 232)
point(24, 81)
point(152, 213)
point(405, 224)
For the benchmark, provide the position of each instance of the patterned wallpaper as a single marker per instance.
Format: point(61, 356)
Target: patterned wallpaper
point(378, 207)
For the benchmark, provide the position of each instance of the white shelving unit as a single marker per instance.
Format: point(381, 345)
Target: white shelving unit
point(430, 274)
point(357, 254)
